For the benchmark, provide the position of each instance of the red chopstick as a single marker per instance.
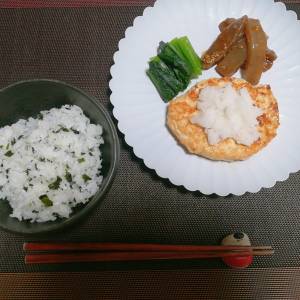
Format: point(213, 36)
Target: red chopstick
point(96, 246)
point(124, 256)
point(65, 252)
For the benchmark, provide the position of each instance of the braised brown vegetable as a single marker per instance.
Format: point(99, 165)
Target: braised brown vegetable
point(234, 59)
point(270, 58)
point(256, 51)
point(270, 54)
point(226, 23)
point(249, 51)
point(223, 42)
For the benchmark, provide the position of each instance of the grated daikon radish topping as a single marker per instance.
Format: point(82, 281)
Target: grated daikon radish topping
point(225, 112)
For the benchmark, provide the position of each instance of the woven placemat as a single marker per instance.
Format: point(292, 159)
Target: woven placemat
point(84, 3)
point(76, 45)
point(266, 284)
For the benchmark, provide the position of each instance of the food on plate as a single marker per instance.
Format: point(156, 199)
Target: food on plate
point(270, 54)
point(224, 118)
point(180, 55)
point(50, 164)
point(234, 59)
point(220, 119)
point(174, 66)
point(248, 52)
point(256, 51)
point(230, 35)
point(164, 79)
point(270, 58)
point(225, 23)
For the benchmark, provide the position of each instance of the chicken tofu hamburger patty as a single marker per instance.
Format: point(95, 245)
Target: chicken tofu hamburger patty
point(194, 137)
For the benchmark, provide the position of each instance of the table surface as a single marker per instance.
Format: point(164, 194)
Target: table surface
point(74, 41)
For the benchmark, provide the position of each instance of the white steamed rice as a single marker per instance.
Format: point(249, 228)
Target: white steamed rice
point(50, 164)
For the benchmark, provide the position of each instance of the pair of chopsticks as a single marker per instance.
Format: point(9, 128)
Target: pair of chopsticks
point(65, 252)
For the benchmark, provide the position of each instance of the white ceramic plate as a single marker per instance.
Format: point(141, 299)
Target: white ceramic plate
point(141, 112)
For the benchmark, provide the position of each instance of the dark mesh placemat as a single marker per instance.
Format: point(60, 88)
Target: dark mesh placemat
point(265, 284)
point(76, 45)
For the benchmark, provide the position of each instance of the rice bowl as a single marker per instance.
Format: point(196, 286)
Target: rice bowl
point(25, 100)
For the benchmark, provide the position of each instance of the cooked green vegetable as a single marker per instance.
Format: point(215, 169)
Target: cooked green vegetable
point(166, 73)
point(45, 199)
point(81, 160)
point(9, 153)
point(180, 66)
point(173, 68)
point(62, 129)
point(86, 177)
point(187, 53)
point(183, 78)
point(75, 131)
point(162, 86)
point(68, 176)
point(55, 185)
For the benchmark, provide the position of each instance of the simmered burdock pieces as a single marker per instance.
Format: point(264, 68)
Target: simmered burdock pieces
point(223, 42)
